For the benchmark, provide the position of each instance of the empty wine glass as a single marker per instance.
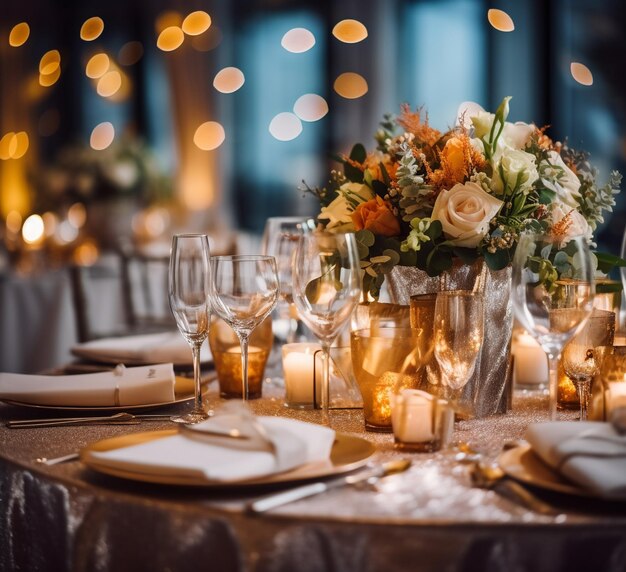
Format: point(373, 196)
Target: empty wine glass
point(188, 292)
point(326, 289)
point(244, 290)
point(553, 289)
point(458, 335)
point(581, 360)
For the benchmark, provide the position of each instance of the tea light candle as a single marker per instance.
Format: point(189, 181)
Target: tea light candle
point(616, 395)
point(298, 370)
point(412, 416)
point(531, 363)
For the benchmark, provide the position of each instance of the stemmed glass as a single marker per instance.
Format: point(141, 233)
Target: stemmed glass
point(188, 292)
point(549, 306)
point(581, 359)
point(326, 289)
point(244, 291)
point(458, 335)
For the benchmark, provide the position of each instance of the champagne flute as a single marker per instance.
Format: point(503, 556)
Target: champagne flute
point(458, 335)
point(553, 289)
point(581, 357)
point(244, 291)
point(326, 290)
point(188, 292)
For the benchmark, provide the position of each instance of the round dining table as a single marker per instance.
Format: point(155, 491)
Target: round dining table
point(429, 518)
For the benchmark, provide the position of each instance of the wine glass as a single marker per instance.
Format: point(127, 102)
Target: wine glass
point(580, 355)
point(326, 290)
point(244, 291)
point(458, 336)
point(553, 289)
point(188, 292)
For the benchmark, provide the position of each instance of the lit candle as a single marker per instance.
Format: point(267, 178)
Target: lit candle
point(616, 396)
point(412, 416)
point(298, 370)
point(531, 363)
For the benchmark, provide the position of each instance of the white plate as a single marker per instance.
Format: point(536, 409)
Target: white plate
point(522, 464)
point(348, 453)
point(183, 392)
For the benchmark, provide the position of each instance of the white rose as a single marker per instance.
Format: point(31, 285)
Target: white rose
point(339, 210)
point(575, 225)
point(512, 163)
point(465, 212)
point(558, 177)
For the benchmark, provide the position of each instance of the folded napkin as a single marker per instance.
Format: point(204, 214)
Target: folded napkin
point(590, 454)
point(124, 386)
point(163, 347)
point(272, 445)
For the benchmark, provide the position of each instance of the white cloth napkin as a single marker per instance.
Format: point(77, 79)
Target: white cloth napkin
point(163, 347)
point(590, 454)
point(124, 386)
point(275, 444)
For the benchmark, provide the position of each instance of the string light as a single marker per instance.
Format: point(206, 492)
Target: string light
point(500, 20)
point(228, 80)
point(298, 40)
point(196, 23)
point(91, 29)
point(285, 126)
point(310, 107)
point(19, 34)
point(350, 31)
point(208, 136)
point(351, 85)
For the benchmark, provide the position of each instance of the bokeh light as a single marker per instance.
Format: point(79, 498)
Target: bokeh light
point(5, 144)
point(50, 222)
point(33, 229)
point(310, 107)
point(14, 221)
point(49, 62)
point(66, 233)
point(91, 29)
point(209, 41)
point(298, 40)
point(130, 53)
point(196, 23)
point(97, 66)
point(208, 136)
point(102, 136)
point(350, 31)
point(19, 34)
point(86, 253)
point(351, 85)
point(19, 145)
point(285, 126)
point(51, 79)
point(581, 73)
point(109, 84)
point(500, 20)
point(170, 39)
point(77, 215)
point(229, 80)
point(167, 19)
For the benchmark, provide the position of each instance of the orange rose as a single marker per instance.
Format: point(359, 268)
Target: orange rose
point(454, 156)
point(376, 216)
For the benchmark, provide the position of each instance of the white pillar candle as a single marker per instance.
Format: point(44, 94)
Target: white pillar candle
point(412, 416)
point(531, 363)
point(298, 370)
point(615, 396)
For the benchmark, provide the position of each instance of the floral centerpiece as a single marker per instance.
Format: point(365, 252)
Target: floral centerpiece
point(425, 198)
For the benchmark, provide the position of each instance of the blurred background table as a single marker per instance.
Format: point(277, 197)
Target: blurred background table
point(428, 518)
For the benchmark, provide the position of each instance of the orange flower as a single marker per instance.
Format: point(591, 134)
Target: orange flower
point(376, 216)
point(454, 154)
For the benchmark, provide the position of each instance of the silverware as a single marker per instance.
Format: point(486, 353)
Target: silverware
point(57, 460)
point(369, 477)
point(491, 476)
point(117, 419)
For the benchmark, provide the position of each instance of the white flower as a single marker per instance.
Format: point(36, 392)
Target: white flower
point(465, 212)
point(518, 169)
point(339, 210)
point(558, 177)
point(576, 224)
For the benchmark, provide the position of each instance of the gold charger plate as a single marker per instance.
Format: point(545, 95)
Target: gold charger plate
point(183, 391)
point(347, 454)
point(525, 466)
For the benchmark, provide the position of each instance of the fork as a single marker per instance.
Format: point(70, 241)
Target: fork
point(117, 419)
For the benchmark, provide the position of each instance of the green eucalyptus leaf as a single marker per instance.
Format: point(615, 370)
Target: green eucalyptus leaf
point(313, 290)
point(498, 260)
point(606, 262)
point(546, 196)
point(365, 237)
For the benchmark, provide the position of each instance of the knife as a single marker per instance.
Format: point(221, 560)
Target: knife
point(279, 499)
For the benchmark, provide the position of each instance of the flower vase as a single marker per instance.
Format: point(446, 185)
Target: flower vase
point(489, 389)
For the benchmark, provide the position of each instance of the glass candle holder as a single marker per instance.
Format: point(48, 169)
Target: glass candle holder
point(421, 422)
point(384, 362)
point(299, 372)
point(609, 385)
point(226, 352)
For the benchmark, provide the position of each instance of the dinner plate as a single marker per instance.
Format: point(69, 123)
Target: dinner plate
point(522, 464)
point(347, 454)
point(183, 392)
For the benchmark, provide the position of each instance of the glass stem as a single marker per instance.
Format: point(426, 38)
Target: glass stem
point(582, 387)
point(197, 386)
point(243, 340)
point(293, 325)
point(553, 363)
point(325, 389)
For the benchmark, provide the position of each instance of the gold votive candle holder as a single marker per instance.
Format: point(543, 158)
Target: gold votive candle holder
point(608, 392)
point(226, 351)
point(384, 361)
